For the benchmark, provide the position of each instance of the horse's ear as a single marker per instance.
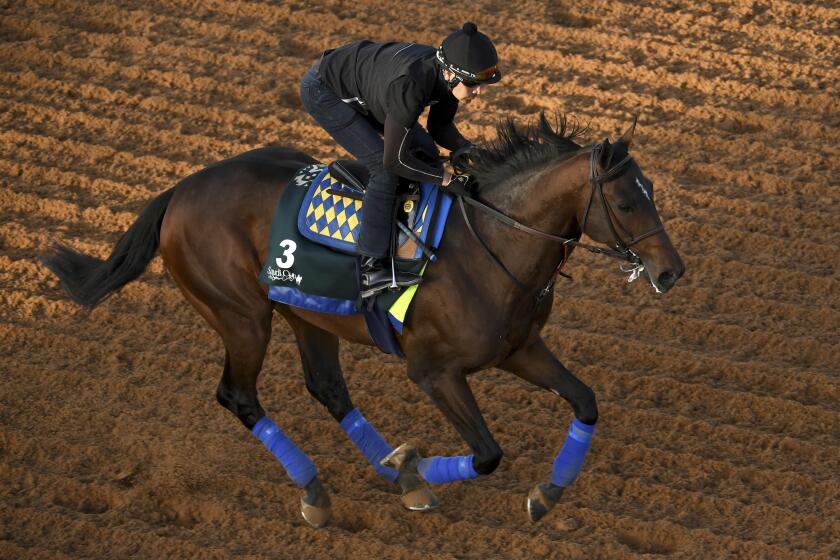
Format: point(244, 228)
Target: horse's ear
point(627, 137)
point(606, 153)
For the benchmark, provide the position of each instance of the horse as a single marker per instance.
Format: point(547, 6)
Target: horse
point(532, 193)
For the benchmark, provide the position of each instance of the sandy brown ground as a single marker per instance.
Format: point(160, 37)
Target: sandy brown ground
point(720, 424)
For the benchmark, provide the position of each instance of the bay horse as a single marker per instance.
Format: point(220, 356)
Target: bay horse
point(482, 303)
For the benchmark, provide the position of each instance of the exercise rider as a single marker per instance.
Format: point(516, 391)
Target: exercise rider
point(368, 96)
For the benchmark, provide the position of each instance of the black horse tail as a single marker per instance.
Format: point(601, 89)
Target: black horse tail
point(88, 280)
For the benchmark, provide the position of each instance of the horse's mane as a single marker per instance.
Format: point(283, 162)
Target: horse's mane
point(519, 149)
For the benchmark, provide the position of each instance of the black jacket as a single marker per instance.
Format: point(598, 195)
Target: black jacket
point(393, 83)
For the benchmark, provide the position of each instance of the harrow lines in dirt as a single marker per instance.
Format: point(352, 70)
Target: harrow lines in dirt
point(634, 453)
point(262, 537)
point(652, 131)
point(254, 72)
point(801, 386)
point(697, 400)
point(738, 445)
point(813, 257)
point(819, 260)
point(716, 88)
point(684, 333)
point(689, 401)
point(719, 143)
point(654, 534)
point(790, 492)
point(788, 14)
point(81, 536)
point(76, 188)
point(205, 89)
point(761, 185)
point(105, 101)
point(101, 218)
point(729, 307)
point(689, 83)
point(773, 283)
point(118, 164)
point(759, 217)
point(217, 94)
point(783, 534)
point(110, 124)
point(750, 123)
point(524, 30)
point(203, 61)
point(803, 31)
point(44, 119)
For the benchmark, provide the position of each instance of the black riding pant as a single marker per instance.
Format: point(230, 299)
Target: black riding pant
point(362, 137)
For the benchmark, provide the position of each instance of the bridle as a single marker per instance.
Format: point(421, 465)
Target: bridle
point(622, 249)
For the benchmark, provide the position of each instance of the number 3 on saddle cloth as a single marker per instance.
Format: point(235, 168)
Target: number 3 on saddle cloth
point(313, 261)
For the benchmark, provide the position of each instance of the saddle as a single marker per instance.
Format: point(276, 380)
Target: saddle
point(330, 213)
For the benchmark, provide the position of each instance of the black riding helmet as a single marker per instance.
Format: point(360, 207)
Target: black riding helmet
point(471, 56)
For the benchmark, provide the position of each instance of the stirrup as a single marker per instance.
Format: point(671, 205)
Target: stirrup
point(372, 291)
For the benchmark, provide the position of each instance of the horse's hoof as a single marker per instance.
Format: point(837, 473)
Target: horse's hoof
point(419, 499)
point(416, 496)
point(314, 515)
point(542, 498)
point(315, 506)
point(404, 458)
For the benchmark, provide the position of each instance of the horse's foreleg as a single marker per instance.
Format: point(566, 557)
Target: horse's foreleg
point(325, 381)
point(450, 392)
point(535, 363)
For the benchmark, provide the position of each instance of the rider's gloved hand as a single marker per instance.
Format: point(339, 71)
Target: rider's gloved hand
point(461, 155)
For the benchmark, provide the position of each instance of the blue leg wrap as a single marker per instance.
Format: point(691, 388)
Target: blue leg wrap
point(299, 467)
point(369, 442)
point(570, 459)
point(440, 470)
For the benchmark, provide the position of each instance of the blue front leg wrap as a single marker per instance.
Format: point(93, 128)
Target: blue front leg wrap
point(299, 467)
point(570, 459)
point(369, 442)
point(440, 470)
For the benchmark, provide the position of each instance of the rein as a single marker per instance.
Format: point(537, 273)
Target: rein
point(596, 181)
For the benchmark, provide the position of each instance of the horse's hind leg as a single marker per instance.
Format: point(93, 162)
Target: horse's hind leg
point(238, 310)
point(325, 382)
point(246, 339)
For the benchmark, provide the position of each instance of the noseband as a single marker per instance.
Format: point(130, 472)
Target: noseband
point(622, 249)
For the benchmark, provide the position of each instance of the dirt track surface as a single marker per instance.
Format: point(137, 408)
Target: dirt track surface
point(720, 425)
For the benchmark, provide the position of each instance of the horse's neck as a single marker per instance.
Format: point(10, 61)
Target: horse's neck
point(546, 200)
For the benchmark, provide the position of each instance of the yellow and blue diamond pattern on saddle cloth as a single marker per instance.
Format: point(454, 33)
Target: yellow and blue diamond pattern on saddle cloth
point(330, 219)
point(331, 213)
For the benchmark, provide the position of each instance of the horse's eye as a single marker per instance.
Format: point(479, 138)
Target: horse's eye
point(625, 207)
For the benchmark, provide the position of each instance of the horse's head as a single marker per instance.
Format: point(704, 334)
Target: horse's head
point(619, 211)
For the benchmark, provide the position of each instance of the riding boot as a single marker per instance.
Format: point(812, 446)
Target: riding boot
point(377, 275)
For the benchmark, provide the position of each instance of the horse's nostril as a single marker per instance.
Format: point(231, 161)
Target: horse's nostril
point(667, 279)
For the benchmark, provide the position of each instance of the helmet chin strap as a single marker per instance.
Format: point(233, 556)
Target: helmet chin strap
point(453, 83)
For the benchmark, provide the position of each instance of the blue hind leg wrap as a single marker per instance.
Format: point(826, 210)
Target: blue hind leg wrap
point(369, 442)
point(569, 461)
point(299, 467)
point(440, 470)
